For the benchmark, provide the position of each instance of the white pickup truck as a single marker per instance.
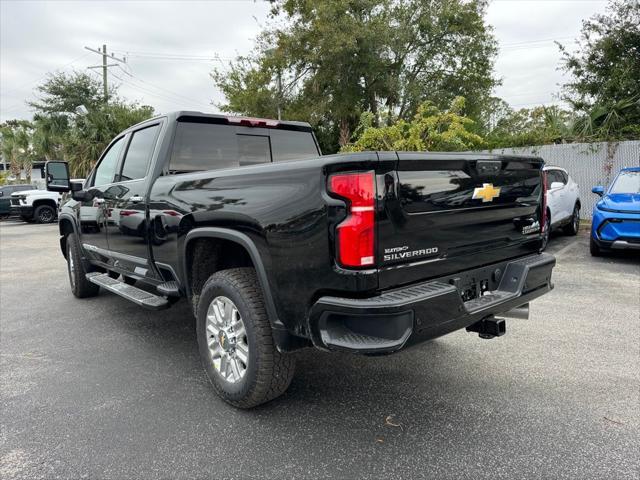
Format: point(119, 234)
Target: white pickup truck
point(39, 206)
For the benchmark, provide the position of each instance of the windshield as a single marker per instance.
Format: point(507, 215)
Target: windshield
point(627, 182)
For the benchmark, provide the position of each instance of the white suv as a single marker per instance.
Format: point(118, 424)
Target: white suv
point(563, 203)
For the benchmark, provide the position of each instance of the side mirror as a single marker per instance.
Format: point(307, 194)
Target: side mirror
point(555, 185)
point(78, 194)
point(599, 190)
point(57, 175)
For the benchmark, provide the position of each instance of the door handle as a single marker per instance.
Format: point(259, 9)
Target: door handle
point(136, 199)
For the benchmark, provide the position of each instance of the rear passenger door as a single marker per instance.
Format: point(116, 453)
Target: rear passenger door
point(127, 234)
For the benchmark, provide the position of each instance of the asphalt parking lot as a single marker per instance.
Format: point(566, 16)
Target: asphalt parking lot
point(100, 388)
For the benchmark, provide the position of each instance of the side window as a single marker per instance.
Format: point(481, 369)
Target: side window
point(553, 176)
point(106, 171)
point(139, 153)
point(565, 177)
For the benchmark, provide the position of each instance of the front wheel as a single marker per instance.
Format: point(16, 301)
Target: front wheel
point(44, 214)
point(594, 249)
point(574, 225)
point(235, 340)
point(80, 286)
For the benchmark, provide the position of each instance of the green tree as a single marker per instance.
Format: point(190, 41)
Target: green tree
point(339, 58)
point(65, 92)
point(15, 145)
point(605, 85)
point(429, 130)
point(63, 131)
point(532, 126)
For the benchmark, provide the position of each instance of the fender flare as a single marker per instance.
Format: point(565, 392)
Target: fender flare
point(248, 244)
point(62, 217)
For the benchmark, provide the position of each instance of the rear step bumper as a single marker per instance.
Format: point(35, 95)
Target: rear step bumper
point(401, 317)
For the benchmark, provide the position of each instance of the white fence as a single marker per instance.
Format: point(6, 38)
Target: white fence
point(588, 164)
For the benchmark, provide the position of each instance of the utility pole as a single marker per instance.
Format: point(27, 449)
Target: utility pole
point(104, 73)
point(279, 93)
point(105, 66)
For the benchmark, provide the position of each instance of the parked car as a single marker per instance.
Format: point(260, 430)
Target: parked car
point(563, 203)
point(40, 206)
point(5, 197)
point(277, 247)
point(616, 217)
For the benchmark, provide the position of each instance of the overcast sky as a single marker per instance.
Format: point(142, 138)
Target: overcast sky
point(171, 46)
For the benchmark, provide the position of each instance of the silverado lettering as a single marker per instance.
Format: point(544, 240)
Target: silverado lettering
point(277, 247)
point(402, 255)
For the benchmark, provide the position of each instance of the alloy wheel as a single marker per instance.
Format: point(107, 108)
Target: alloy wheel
point(72, 270)
point(46, 216)
point(546, 234)
point(227, 339)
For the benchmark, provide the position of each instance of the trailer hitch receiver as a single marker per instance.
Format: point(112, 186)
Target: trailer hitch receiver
point(489, 327)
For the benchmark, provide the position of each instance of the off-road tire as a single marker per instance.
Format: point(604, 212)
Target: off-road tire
point(80, 286)
point(269, 372)
point(573, 226)
point(594, 249)
point(44, 214)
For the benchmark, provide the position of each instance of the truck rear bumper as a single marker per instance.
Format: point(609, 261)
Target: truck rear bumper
point(409, 315)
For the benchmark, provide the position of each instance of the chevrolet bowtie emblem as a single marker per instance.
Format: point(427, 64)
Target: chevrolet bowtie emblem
point(487, 193)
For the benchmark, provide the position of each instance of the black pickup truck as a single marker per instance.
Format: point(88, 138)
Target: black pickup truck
point(277, 247)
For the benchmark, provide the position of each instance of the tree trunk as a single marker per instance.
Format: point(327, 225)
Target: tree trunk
point(345, 133)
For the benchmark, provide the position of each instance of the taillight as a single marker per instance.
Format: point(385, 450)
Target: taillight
point(543, 203)
point(355, 234)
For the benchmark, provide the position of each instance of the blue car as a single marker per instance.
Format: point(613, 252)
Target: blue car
point(616, 217)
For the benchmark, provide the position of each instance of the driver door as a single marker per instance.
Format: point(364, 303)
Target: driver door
point(91, 213)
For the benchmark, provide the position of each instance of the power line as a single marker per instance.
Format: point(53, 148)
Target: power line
point(177, 95)
point(161, 96)
point(29, 84)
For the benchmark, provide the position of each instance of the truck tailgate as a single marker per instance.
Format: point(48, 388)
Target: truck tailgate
point(439, 214)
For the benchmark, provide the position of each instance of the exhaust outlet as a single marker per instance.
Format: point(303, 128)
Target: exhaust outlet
point(521, 312)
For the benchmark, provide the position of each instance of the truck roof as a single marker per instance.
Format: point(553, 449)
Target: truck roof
point(192, 115)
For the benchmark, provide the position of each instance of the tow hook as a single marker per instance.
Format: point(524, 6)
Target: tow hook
point(489, 327)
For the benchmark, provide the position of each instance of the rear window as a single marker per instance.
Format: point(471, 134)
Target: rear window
point(205, 146)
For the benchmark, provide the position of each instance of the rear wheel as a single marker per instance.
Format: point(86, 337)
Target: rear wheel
point(235, 340)
point(594, 248)
point(574, 225)
point(44, 214)
point(80, 286)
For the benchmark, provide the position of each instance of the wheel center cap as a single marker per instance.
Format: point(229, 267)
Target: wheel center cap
point(224, 341)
